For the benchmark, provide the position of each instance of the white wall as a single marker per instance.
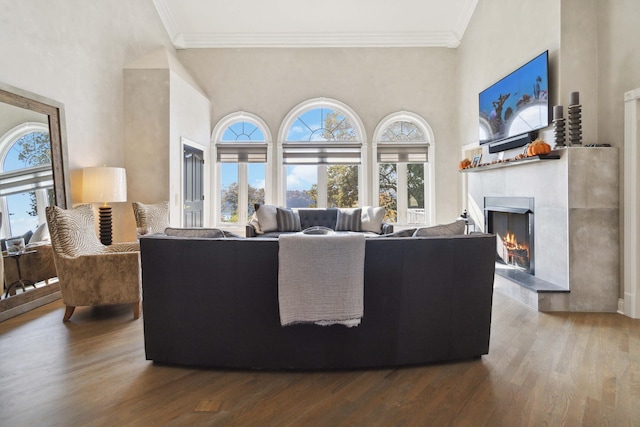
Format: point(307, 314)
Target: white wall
point(373, 82)
point(74, 51)
point(593, 49)
point(501, 36)
point(163, 105)
point(618, 64)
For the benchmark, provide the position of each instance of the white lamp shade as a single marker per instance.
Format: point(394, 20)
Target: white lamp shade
point(104, 184)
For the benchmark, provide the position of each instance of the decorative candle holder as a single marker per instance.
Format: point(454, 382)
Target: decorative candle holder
point(558, 132)
point(575, 125)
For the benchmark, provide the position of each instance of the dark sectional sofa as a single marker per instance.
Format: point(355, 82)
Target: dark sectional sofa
point(214, 303)
point(316, 217)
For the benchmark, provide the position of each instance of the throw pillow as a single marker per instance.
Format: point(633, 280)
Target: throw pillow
point(349, 219)
point(372, 218)
point(452, 229)
point(151, 218)
point(288, 219)
point(207, 233)
point(73, 230)
point(41, 234)
point(256, 224)
point(267, 218)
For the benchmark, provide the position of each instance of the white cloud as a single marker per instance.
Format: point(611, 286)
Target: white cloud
point(301, 177)
point(258, 183)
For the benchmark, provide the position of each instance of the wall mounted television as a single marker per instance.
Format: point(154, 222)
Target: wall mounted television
point(513, 109)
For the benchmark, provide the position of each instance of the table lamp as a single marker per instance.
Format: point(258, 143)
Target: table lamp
point(104, 185)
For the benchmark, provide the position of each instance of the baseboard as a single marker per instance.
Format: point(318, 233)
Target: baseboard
point(23, 308)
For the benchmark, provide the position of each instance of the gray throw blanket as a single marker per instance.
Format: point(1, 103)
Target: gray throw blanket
point(321, 279)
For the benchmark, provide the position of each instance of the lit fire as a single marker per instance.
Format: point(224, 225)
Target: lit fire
point(511, 244)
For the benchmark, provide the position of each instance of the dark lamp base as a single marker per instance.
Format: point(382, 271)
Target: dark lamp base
point(105, 225)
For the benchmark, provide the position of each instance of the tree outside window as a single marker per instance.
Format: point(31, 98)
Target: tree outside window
point(31, 150)
point(341, 181)
point(401, 178)
point(242, 154)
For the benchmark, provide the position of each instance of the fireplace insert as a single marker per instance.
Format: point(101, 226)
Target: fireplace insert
point(511, 220)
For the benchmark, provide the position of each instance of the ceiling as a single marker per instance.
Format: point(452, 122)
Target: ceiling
point(319, 23)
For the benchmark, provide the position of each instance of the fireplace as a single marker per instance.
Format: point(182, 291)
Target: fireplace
point(511, 220)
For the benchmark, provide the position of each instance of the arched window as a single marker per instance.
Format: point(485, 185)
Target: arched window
point(403, 145)
point(241, 143)
point(321, 145)
point(533, 116)
point(26, 179)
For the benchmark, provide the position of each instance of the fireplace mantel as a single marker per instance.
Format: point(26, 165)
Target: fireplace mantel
point(554, 155)
point(576, 227)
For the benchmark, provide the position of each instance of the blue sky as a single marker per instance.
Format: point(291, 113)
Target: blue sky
point(299, 177)
point(18, 204)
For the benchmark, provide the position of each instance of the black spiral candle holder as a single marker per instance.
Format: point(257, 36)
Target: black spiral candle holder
point(558, 132)
point(575, 120)
point(558, 126)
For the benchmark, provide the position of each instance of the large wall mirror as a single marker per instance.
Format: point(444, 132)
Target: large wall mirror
point(33, 175)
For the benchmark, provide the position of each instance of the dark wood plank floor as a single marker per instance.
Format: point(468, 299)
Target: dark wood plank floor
point(543, 369)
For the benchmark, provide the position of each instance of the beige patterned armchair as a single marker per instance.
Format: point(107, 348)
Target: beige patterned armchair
point(89, 272)
point(151, 218)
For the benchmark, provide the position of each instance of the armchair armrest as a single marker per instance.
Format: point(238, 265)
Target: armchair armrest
point(123, 247)
point(81, 278)
point(387, 228)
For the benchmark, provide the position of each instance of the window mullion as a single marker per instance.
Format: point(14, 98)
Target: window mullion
point(322, 186)
point(403, 193)
point(243, 193)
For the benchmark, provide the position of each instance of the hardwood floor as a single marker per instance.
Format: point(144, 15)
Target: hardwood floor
point(543, 369)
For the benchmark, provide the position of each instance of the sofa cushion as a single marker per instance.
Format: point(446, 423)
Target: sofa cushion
point(210, 233)
point(349, 219)
point(310, 217)
point(452, 229)
point(288, 220)
point(372, 218)
point(267, 218)
point(400, 233)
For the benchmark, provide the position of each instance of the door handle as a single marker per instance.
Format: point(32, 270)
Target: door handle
point(185, 207)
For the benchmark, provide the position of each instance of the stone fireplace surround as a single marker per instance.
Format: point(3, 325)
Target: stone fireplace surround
point(514, 216)
point(577, 242)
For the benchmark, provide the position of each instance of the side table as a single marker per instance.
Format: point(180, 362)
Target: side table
point(20, 282)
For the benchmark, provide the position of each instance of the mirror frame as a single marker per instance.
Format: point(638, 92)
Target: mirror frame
point(26, 301)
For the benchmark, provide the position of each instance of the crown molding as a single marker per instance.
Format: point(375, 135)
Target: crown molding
point(463, 19)
point(167, 19)
point(283, 40)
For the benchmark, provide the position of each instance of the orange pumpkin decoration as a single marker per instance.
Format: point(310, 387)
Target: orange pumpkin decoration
point(464, 164)
point(537, 148)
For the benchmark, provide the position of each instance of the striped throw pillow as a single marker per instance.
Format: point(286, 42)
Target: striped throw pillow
point(349, 219)
point(288, 220)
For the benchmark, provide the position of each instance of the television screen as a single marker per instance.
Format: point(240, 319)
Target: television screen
point(517, 104)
